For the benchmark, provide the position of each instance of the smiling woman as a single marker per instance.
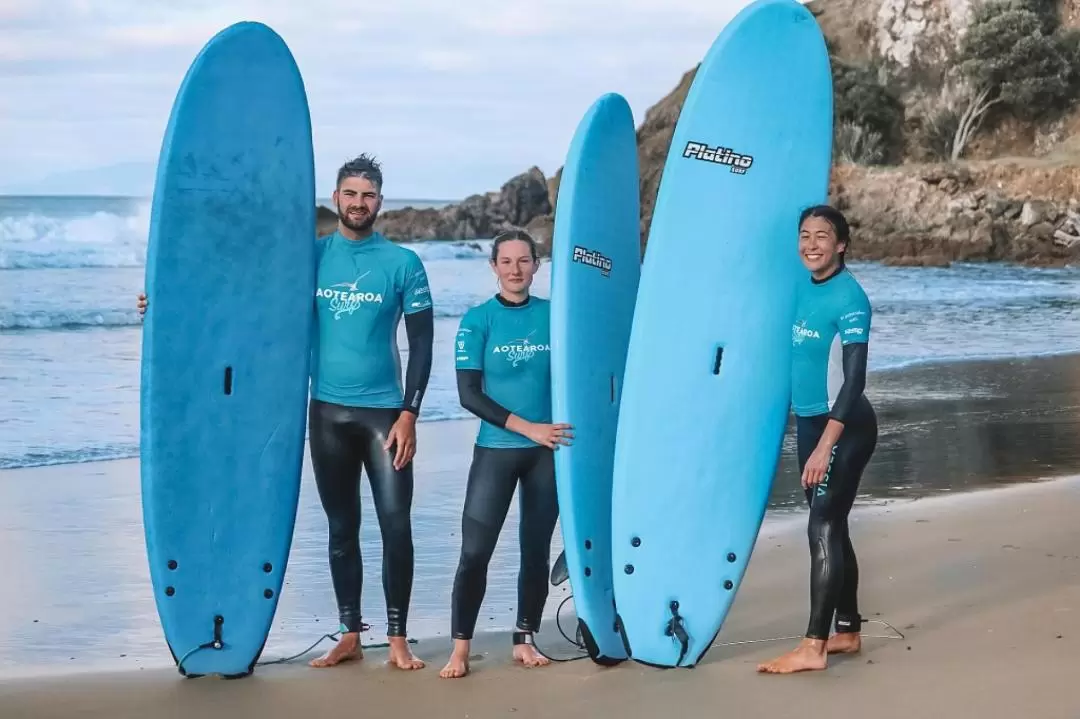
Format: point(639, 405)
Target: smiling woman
point(836, 432)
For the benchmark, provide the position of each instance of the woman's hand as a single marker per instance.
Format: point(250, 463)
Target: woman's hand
point(141, 304)
point(817, 466)
point(549, 435)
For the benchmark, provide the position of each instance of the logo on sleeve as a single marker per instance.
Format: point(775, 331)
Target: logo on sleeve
point(738, 162)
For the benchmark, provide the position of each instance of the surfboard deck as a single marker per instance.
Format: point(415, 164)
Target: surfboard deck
point(707, 387)
point(230, 275)
point(595, 266)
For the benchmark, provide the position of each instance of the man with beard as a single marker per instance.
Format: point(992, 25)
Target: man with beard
point(360, 417)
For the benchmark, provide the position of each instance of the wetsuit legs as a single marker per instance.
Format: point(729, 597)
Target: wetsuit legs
point(493, 477)
point(343, 441)
point(337, 459)
point(834, 569)
point(392, 492)
point(539, 511)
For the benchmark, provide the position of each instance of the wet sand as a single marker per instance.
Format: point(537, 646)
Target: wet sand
point(80, 599)
point(983, 586)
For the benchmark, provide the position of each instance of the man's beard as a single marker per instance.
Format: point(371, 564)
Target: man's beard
point(361, 226)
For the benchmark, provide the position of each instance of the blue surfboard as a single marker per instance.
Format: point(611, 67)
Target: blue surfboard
point(595, 266)
point(230, 275)
point(707, 387)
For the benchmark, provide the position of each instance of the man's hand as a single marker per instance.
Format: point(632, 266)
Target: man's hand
point(403, 435)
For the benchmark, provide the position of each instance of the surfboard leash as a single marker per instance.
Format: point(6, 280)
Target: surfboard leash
point(677, 631)
point(332, 637)
point(576, 642)
point(216, 643)
point(898, 635)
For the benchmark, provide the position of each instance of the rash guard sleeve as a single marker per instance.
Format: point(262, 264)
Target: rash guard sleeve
point(420, 329)
point(470, 384)
point(854, 329)
point(469, 363)
point(854, 381)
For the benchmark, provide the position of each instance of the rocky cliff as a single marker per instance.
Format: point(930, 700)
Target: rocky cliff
point(1015, 197)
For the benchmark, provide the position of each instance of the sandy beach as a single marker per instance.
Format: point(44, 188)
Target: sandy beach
point(982, 585)
point(965, 527)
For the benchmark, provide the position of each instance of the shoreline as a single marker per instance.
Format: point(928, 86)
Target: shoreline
point(887, 372)
point(989, 620)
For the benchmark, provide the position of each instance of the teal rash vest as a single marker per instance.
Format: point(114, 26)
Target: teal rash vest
point(829, 315)
point(511, 346)
point(363, 288)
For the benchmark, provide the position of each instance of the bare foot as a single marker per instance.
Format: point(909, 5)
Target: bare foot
point(529, 656)
point(458, 665)
point(401, 656)
point(808, 656)
point(844, 643)
point(346, 649)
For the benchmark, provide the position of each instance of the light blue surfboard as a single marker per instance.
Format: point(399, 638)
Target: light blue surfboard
point(230, 274)
point(595, 266)
point(707, 386)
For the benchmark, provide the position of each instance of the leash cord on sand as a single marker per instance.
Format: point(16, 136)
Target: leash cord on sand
point(581, 645)
point(898, 635)
point(576, 642)
point(332, 637)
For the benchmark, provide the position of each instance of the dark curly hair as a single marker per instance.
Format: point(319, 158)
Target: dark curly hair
point(362, 166)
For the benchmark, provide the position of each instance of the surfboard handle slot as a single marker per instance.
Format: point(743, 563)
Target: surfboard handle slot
point(613, 389)
point(228, 380)
point(718, 360)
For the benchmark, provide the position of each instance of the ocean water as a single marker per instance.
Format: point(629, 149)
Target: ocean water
point(71, 267)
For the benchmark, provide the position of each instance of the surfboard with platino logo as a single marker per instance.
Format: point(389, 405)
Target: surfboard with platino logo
point(595, 265)
point(707, 389)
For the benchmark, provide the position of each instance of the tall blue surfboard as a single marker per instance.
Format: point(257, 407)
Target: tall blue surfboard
point(230, 274)
point(707, 387)
point(595, 266)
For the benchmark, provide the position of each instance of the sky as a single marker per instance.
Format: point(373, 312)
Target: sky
point(453, 97)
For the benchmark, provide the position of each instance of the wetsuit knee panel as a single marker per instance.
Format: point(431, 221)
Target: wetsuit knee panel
point(478, 541)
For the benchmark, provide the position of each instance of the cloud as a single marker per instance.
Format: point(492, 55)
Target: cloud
point(456, 97)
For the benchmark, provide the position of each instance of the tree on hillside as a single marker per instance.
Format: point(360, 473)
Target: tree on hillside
point(1007, 60)
point(869, 115)
point(1046, 10)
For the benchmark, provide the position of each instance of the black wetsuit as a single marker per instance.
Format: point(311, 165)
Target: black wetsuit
point(834, 576)
point(363, 289)
point(503, 367)
point(833, 318)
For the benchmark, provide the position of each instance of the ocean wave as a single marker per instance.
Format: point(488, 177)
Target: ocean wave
point(434, 250)
point(62, 320)
point(68, 456)
point(67, 319)
point(94, 239)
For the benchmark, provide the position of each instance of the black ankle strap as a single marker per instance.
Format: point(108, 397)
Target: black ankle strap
point(523, 638)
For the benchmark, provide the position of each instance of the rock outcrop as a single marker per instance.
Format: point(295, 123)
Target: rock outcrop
point(519, 201)
point(936, 214)
point(1019, 209)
